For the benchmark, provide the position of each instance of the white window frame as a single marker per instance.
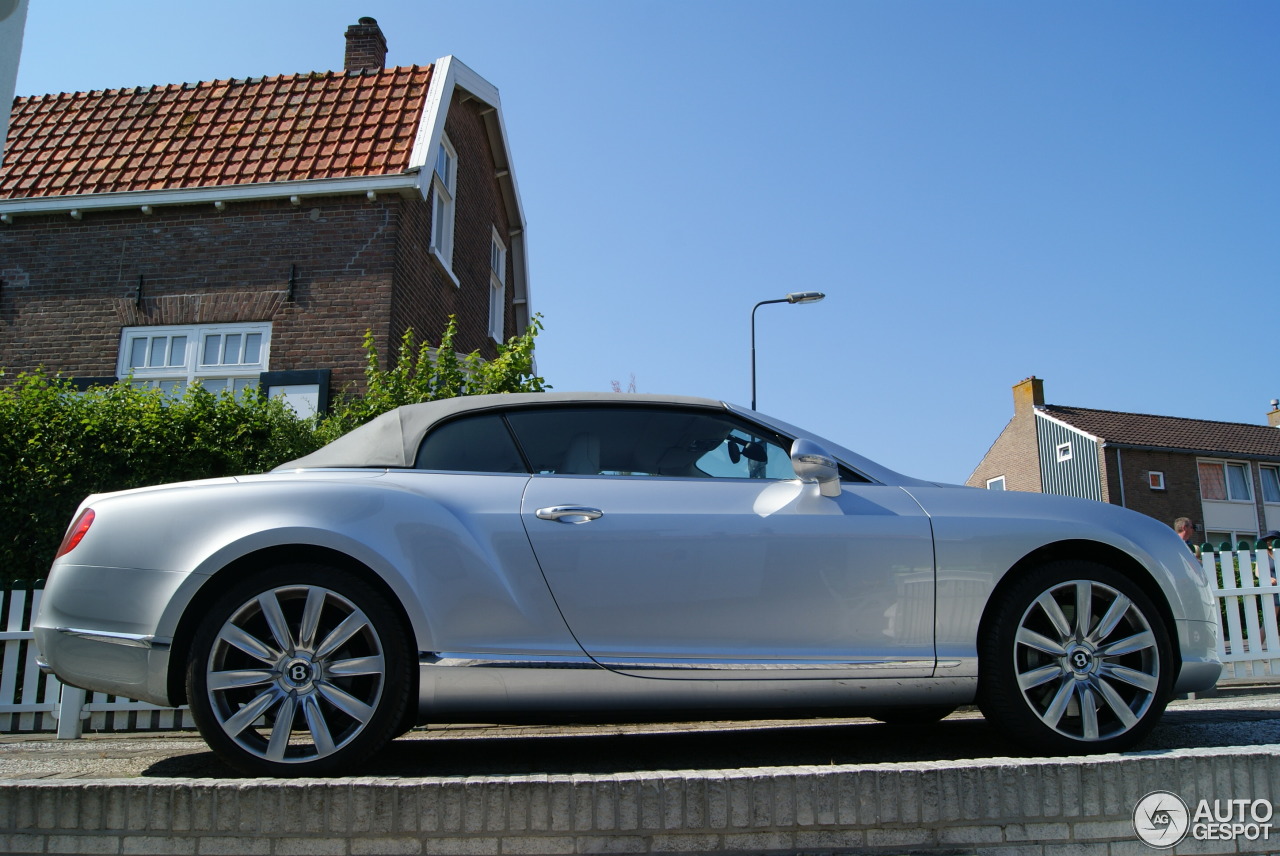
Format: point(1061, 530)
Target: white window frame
point(444, 189)
point(180, 370)
point(1224, 464)
point(991, 483)
point(497, 287)
point(1276, 472)
point(1064, 452)
point(1155, 480)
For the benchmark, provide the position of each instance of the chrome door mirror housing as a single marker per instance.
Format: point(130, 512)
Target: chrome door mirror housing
point(814, 465)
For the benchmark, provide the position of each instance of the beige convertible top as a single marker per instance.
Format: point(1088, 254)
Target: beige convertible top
point(392, 439)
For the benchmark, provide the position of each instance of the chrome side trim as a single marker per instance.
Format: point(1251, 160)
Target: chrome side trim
point(556, 661)
point(753, 666)
point(130, 640)
point(511, 661)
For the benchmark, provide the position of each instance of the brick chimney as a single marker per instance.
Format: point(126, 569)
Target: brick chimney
point(1027, 394)
point(1273, 418)
point(366, 46)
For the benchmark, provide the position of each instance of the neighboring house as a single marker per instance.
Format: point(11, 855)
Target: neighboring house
point(1225, 476)
point(245, 232)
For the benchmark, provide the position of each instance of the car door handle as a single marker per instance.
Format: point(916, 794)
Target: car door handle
point(568, 513)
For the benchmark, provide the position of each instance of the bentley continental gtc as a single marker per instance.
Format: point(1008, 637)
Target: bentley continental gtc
point(606, 557)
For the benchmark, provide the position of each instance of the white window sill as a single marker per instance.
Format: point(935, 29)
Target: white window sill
point(447, 269)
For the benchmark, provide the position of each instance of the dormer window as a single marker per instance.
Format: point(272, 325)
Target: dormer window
point(443, 190)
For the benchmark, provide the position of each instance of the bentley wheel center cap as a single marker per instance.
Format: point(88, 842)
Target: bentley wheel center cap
point(1080, 660)
point(298, 673)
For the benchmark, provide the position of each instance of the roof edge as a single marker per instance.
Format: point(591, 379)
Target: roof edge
point(398, 182)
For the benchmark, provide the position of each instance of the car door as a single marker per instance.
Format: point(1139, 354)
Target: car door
point(676, 543)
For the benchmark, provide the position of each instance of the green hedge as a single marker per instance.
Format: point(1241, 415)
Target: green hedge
point(58, 445)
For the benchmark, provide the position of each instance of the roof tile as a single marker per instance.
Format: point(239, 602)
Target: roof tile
point(1171, 432)
point(281, 128)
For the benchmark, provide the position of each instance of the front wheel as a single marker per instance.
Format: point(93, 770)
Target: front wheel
point(1076, 659)
point(299, 670)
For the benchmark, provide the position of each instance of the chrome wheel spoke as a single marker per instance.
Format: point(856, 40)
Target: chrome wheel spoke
point(1084, 608)
point(1037, 677)
point(1119, 607)
point(350, 626)
point(1035, 640)
point(249, 714)
point(345, 702)
point(1088, 713)
point(274, 615)
point(371, 665)
point(1055, 615)
point(1117, 704)
point(282, 728)
point(1053, 714)
point(1143, 681)
point(317, 725)
point(1130, 644)
point(251, 645)
point(310, 623)
point(239, 678)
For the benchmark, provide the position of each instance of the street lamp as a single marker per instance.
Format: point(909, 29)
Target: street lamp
point(793, 297)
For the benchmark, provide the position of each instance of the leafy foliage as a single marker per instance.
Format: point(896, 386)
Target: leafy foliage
point(58, 445)
point(423, 373)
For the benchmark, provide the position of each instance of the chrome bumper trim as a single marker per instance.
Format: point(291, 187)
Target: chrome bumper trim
point(129, 640)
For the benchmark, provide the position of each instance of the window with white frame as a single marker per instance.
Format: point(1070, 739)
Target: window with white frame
point(220, 356)
point(1225, 480)
point(1064, 452)
point(996, 483)
point(1270, 483)
point(497, 287)
point(444, 185)
point(1155, 480)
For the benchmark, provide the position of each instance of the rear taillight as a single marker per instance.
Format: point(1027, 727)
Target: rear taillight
point(75, 534)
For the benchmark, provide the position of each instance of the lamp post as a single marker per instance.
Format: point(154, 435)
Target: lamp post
point(793, 297)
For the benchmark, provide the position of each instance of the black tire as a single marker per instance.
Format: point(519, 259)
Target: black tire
point(311, 644)
point(1062, 680)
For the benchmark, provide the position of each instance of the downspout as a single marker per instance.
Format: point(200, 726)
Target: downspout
point(1120, 475)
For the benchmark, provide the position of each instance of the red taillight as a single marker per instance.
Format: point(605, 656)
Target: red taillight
point(76, 533)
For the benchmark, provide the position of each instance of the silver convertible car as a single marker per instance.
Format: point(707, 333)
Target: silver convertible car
point(605, 557)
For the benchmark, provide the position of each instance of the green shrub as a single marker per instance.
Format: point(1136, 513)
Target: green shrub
point(58, 445)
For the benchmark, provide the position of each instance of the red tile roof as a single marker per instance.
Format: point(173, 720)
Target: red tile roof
point(1171, 432)
point(304, 126)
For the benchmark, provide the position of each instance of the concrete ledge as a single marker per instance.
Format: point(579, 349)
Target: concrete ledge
point(1022, 806)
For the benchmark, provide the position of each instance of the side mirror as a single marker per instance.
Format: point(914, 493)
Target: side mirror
point(813, 464)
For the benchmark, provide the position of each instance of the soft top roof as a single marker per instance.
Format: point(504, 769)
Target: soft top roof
point(392, 439)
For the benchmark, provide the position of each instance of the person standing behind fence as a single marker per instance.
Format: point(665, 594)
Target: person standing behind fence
point(1268, 540)
point(1186, 530)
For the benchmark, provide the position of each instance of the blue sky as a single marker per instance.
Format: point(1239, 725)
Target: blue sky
point(1085, 191)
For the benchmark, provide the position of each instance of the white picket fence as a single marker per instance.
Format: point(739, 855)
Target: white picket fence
point(32, 701)
point(1248, 643)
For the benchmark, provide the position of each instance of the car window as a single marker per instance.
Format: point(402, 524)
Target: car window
point(474, 444)
point(649, 441)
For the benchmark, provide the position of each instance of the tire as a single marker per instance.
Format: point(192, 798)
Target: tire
point(1063, 679)
point(300, 670)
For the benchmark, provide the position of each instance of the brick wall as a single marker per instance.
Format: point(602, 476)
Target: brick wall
point(1181, 496)
point(68, 287)
point(1015, 453)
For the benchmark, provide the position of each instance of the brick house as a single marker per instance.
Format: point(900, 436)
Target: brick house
point(246, 232)
point(1225, 476)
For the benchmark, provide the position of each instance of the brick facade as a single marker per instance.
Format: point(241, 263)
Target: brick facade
point(1015, 453)
point(70, 286)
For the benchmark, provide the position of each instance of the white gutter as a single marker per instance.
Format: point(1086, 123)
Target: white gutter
point(364, 184)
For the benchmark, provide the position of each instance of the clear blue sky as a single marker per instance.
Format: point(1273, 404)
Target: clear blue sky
point(1086, 191)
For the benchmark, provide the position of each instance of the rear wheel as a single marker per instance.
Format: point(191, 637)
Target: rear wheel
point(1076, 660)
point(299, 670)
